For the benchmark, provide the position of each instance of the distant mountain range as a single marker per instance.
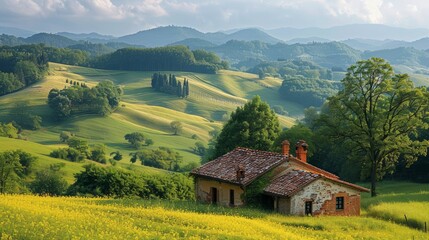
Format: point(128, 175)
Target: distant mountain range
point(15, 32)
point(162, 36)
point(362, 31)
point(248, 47)
point(359, 36)
point(373, 45)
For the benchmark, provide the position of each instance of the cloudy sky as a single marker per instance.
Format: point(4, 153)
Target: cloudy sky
point(117, 17)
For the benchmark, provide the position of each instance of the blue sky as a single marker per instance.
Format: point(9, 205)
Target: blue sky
point(129, 16)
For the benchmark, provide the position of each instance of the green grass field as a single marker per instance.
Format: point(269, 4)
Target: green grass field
point(33, 217)
point(213, 96)
point(70, 168)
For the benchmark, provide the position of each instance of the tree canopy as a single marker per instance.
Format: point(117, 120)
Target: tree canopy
point(170, 58)
point(253, 125)
point(101, 99)
point(377, 115)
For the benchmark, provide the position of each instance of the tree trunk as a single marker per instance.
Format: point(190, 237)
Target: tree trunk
point(373, 178)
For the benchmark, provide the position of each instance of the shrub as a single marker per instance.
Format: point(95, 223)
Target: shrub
point(48, 182)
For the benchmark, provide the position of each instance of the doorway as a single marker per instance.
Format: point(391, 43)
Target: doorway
point(213, 193)
point(308, 208)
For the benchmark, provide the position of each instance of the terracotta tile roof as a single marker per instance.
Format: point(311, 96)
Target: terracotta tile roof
point(312, 168)
point(254, 163)
point(357, 187)
point(291, 182)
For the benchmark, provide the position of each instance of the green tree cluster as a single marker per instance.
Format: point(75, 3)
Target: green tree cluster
point(49, 181)
point(8, 130)
point(169, 84)
point(307, 91)
point(79, 149)
point(23, 65)
point(113, 182)
point(101, 99)
point(162, 157)
point(290, 68)
point(15, 166)
point(137, 140)
point(171, 58)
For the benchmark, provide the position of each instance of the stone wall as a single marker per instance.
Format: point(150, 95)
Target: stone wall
point(203, 192)
point(323, 194)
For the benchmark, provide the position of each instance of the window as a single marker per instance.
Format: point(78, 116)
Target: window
point(231, 197)
point(340, 203)
point(308, 208)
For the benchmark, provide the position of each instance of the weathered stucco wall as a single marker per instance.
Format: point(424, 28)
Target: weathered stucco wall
point(283, 205)
point(323, 194)
point(203, 194)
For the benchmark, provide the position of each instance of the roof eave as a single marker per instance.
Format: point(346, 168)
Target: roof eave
point(217, 179)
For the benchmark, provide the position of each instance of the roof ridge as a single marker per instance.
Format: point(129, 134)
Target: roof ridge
point(322, 172)
point(257, 150)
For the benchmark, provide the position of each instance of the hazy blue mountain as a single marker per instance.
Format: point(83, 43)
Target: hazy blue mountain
point(366, 44)
point(86, 36)
point(307, 40)
point(194, 43)
point(247, 54)
point(216, 37)
point(401, 56)
point(363, 31)
point(161, 36)
point(17, 32)
point(373, 45)
point(252, 34)
point(422, 44)
point(51, 40)
point(9, 40)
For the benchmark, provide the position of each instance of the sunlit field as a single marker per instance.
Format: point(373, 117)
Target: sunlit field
point(34, 217)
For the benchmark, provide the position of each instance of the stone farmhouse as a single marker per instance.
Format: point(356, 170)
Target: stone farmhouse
point(295, 187)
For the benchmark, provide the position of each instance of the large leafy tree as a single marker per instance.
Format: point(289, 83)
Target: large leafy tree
point(378, 115)
point(14, 166)
point(253, 125)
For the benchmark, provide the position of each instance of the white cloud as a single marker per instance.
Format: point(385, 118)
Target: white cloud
point(126, 16)
point(183, 6)
point(21, 7)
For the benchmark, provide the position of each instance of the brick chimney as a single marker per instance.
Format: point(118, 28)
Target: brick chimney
point(241, 173)
point(301, 150)
point(285, 147)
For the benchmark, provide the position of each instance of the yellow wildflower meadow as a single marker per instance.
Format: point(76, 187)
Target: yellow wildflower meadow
point(35, 217)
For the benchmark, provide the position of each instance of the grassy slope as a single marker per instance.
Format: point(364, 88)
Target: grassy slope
point(44, 161)
point(52, 218)
point(145, 110)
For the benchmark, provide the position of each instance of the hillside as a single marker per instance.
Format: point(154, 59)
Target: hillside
point(96, 218)
point(194, 43)
point(372, 45)
point(161, 36)
point(330, 55)
point(51, 40)
point(213, 97)
point(252, 34)
point(402, 56)
point(41, 151)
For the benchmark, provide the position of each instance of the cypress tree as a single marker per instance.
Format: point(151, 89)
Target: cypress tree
point(187, 88)
point(179, 89)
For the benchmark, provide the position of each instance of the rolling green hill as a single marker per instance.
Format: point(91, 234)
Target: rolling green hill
point(213, 97)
